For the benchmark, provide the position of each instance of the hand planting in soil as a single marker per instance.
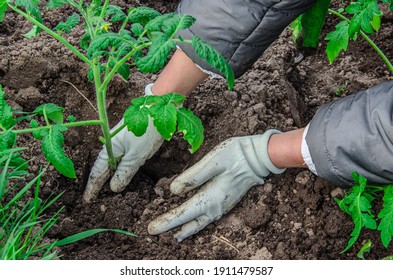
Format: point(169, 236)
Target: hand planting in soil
point(113, 42)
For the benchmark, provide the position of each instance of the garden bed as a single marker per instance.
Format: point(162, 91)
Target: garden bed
point(291, 216)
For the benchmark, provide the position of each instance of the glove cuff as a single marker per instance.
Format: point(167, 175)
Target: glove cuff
point(265, 155)
point(148, 90)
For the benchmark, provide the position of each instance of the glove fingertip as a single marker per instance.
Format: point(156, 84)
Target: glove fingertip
point(179, 186)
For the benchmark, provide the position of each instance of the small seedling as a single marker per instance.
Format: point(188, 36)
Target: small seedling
point(357, 203)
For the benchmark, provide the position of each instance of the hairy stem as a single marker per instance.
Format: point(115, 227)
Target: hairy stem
point(72, 124)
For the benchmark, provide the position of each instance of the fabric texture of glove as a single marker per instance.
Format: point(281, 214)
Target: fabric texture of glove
point(134, 152)
point(224, 175)
point(354, 133)
point(241, 30)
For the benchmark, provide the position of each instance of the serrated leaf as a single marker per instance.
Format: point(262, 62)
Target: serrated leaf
point(52, 147)
point(3, 9)
point(116, 12)
point(157, 55)
point(55, 4)
point(366, 17)
point(52, 111)
point(156, 23)
point(102, 42)
point(40, 134)
point(358, 206)
point(173, 24)
point(214, 58)
point(84, 43)
point(386, 216)
point(31, 6)
point(69, 24)
point(142, 15)
point(191, 127)
point(6, 118)
point(164, 119)
point(7, 140)
point(338, 41)
point(137, 29)
point(137, 119)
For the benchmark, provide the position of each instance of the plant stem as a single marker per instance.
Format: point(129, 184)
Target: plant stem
point(118, 130)
point(53, 34)
point(101, 106)
point(72, 124)
point(368, 39)
point(120, 63)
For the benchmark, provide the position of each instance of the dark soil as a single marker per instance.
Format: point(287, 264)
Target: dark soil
point(291, 216)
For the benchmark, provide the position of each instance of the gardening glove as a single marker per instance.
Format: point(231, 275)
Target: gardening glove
point(134, 152)
point(224, 175)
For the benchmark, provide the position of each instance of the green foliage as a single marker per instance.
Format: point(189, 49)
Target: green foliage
point(357, 203)
point(6, 118)
point(209, 54)
point(386, 216)
point(52, 146)
point(307, 27)
point(67, 26)
point(143, 38)
point(365, 17)
point(167, 115)
point(23, 218)
point(3, 9)
point(338, 41)
point(365, 249)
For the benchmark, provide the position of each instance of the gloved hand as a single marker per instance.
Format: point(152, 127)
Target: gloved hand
point(224, 175)
point(135, 151)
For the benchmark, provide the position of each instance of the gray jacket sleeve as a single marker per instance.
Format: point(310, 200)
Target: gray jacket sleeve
point(354, 133)
point(241, 30)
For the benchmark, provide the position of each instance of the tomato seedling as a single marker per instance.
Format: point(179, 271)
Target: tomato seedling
point(113, 43)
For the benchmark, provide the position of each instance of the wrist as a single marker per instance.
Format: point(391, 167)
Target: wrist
point(284, 149)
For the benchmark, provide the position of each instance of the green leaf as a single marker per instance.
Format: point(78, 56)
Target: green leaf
point(157, 55)
point(172, 25)
point(116, 12)
point(136, 118)
point(34, 31)
point(164, 118)
point(365, 249)
point(31, 6)
point(55, 4)
point(191, 127)
point(7, 140)
point(84, 44)
point(142, 15)
point(6, 118)
point(67, 26)
point(366, 17)
point(102, 42)
point(85, 234)
point(137, 29)
point(357, 203)
point(214, 58)
point(52, 147)
point(156, 23)
point(51, 111)
point(338, 41)
point(3, 9)
point(386, 216)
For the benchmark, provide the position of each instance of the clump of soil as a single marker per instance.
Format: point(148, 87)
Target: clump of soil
point(291, 216)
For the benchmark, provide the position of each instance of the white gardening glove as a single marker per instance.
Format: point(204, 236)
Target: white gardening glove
point(135, 151)
point(224, 175)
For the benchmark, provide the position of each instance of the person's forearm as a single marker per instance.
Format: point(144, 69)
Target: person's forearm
point(285, 149)
point(181, 75)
